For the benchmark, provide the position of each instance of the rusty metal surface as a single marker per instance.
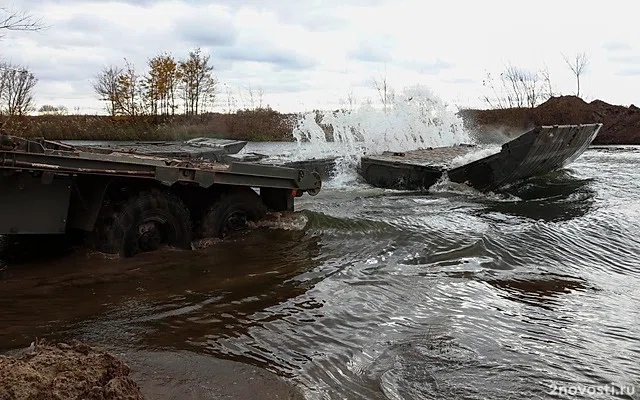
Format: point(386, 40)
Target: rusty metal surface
point(433, 157)
point(209, 149)
point(19, 154)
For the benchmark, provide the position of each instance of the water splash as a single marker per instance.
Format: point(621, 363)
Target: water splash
point(414, 119)
point(474, 156)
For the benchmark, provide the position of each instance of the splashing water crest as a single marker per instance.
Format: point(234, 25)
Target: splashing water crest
point(415, 119)
point(474, 156)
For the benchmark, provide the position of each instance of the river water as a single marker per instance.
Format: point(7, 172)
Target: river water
point(380, 294)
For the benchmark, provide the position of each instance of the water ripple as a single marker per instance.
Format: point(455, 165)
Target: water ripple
point(368, 293)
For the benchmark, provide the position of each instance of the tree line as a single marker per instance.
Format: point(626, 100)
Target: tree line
point(168, 87)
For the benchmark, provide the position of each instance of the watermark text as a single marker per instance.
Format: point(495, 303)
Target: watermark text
point(591, 390)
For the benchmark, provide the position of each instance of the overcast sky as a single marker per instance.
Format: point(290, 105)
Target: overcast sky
point(309, 54)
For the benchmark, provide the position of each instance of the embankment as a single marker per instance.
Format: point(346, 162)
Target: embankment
point(621, 125)
point(254, 125)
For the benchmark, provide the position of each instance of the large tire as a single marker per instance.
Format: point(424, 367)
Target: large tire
point(144, 222)
point(231, 212)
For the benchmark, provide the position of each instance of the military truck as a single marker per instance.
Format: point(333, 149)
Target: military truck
point(125, 200)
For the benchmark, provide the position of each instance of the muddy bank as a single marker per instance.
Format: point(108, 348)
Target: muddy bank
point(621, 125)
point(77, 371)
point(65, 371)
point(186, 375)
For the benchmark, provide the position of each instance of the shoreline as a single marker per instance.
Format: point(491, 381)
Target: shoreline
point(621, 125)
point(93, 372)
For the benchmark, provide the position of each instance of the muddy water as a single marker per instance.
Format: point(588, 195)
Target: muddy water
point(367, 293)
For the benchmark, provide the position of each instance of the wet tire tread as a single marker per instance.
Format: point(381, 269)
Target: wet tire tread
point(237, 199)
point(114, 228)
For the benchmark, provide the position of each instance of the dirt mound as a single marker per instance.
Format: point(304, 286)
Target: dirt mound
point(65, 371)
point(621, 125)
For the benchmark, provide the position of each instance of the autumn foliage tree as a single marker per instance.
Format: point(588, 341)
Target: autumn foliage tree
point(157, 92)
point(160, 85)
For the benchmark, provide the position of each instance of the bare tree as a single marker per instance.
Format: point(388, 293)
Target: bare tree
point(16, 83)
point(548, 91)
point(518, 88)
point(231, 101)
point(198, 82)
point(384, 91)
point(350, 100)
point(255, 97)
point(260, 98)
point(11, 20)
point(16, 89)
point(105, 84)
point(128, 91)
point(120, 88)
point(578, 66)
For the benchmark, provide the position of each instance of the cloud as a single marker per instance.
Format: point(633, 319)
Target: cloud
point(84, 22)
point(629, 72)
point(373, 49)
point(428, 67)
point(616, 46)
point(265, 53)
point(206, 29)
point(318, 47)
point(459, 81)
point(630, 58)
point(313, 15)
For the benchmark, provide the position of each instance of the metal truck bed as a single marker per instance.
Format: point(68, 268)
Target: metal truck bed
point(48, 156)
point(211, 149)
point(48, 187)
point(536, 152)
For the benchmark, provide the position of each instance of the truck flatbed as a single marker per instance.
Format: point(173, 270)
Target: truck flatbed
point(212, 149)
point(130, 201)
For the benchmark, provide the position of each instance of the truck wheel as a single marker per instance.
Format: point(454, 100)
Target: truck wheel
point(231, 212)
point(145, 222)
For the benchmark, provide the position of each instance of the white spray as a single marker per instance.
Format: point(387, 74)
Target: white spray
point(414, 119)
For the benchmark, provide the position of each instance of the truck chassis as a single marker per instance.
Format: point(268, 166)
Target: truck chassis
point(125, 204)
